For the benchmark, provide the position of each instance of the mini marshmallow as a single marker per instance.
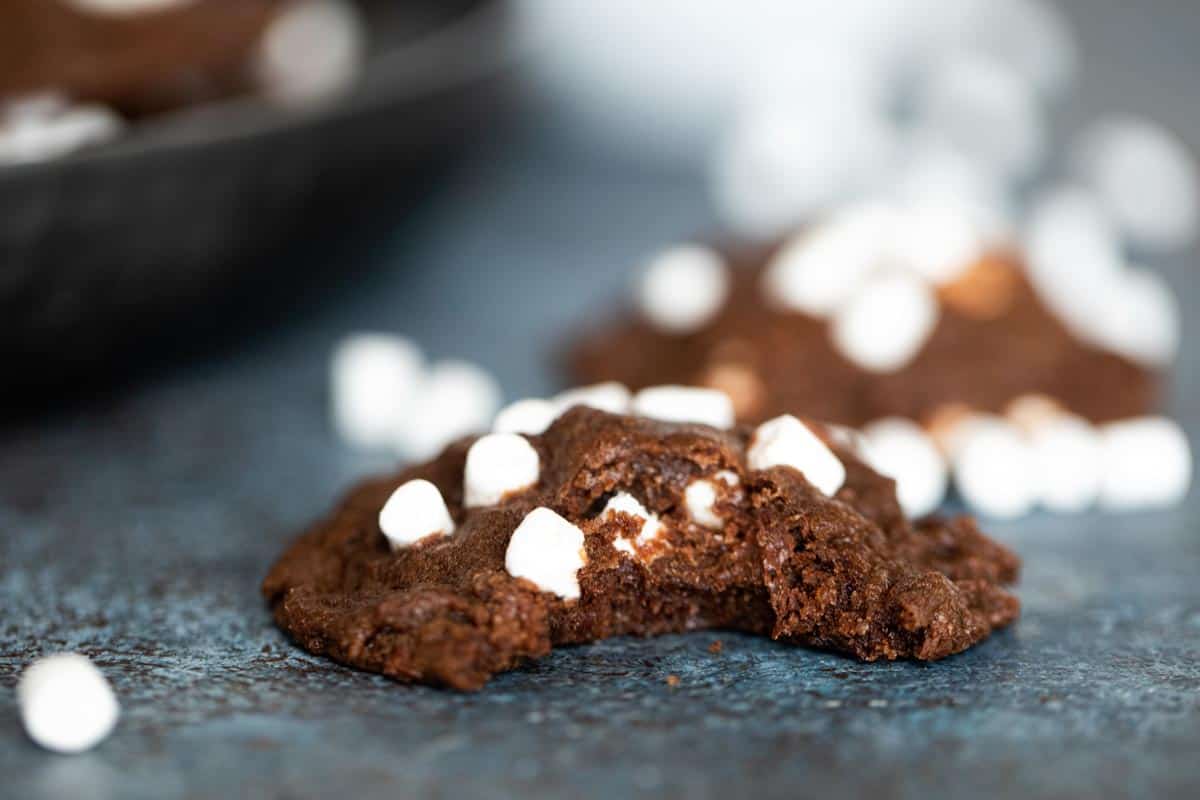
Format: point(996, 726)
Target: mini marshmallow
point(994, 470)
point(937, 241)
point(700, 498)
point(373, 378)
point(937, 176)
point(1139, 318)
point(683, 288)
point(901, 450)
point(499, 464)
point(1031, 37)
point(1068, 461)
point(685, 404)
point(547, 550)
point(127, 7)
point(1032, 412)
point(610, 396)
point(314, 48)
point(66, 704)
point(1145, 177)
point(455, 398)
point(1147, 464)
point(628, 504)
point(786, 441)
point(49, 133)
point(414, 512)
point(819, 270)
point(886, 324)
point(531, 416)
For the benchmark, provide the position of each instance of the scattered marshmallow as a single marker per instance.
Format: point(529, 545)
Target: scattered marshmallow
point(497, 465)
point(786, 441)
point(938, 176)
point(994, 470)
point(1067, 458)
point(1146, 179)
point(314, 48)
point(685, 404)
point(456, 398)
point(626, 503)
point(127, 7)
point(45, 128)
point(1031, 37)
point(951, 425)
point(613, 397)
point(821, 269)
point(683, 288)
point(67, 705)
point(373, 379)
point(547, 550)
point(938, 241)
point(1032, 412)
point(1139, 318)
point(415, 511)
point(531, 416)
point(1147, 464)
point(900, 449)
point(886, 324)
point(700, 498)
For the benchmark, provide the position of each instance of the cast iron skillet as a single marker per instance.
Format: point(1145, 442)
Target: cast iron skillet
point(108, 249)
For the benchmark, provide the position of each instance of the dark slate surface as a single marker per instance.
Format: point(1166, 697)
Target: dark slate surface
point(136, 530)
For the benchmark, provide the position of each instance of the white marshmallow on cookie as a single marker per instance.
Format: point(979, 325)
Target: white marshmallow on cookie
point(683, 288)
point(312, 49)
point(685, 404)
point(415, 511)
point(373, 379)
point(548, 551)
point(1147, 464)
point(531, 416)
point(994, 469)
point(787, 442)
point(937, 241)
point(127, 7)
point(700, 499)
point(66, 704)
point(1068, 460)
point(1139, 318)
point(499, 464)
point(1032, 412)
point(885, 325)
point(609, 396)
point(901, 450)
point(626, 503)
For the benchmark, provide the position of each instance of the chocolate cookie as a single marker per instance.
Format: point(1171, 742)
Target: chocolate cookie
point(505, 546)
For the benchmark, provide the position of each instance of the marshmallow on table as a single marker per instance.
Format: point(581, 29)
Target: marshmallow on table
point(415, 511)
point(1145, 178)
point(547, 550)
point(455, 398)
point(626, 503)
point(1068, 458)
point(885, 325)
point(313, 49)
point(66, 704)
point(685, 404)
point(499, 464)
point(531, 416)
point(787, 442)
point(994, 470)
point(609, 396)
point(1147, 463)
point(683, 288)
point(43, 131)
point(900, 449)
point(373, 378)
point(700, 498)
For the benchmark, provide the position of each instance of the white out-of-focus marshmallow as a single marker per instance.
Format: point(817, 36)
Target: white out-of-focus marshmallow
point(314, 48)
point(1145, 177)
point(685, 404)
point(683, 288)
point(821, 269)
point(900, 449)
point(373, 379)
point(1029, 36)
point(700, 497)
point(547, 550)
point(127, 7)
point(1147, 464)
point(986, 110)
point(626, 503)
point(415, 511)
point(994, 470)
point(531, 416)
point(42, 131)
point(66, 704)
point(456, 398)
point(938, 241)
point(950, 426)
point(1068, 461)
point(609, 396)
point(1032, 412)
point(885, 325)
point(499, 464)
point(786, 441)
point(938, 176)
point(1138, 317)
